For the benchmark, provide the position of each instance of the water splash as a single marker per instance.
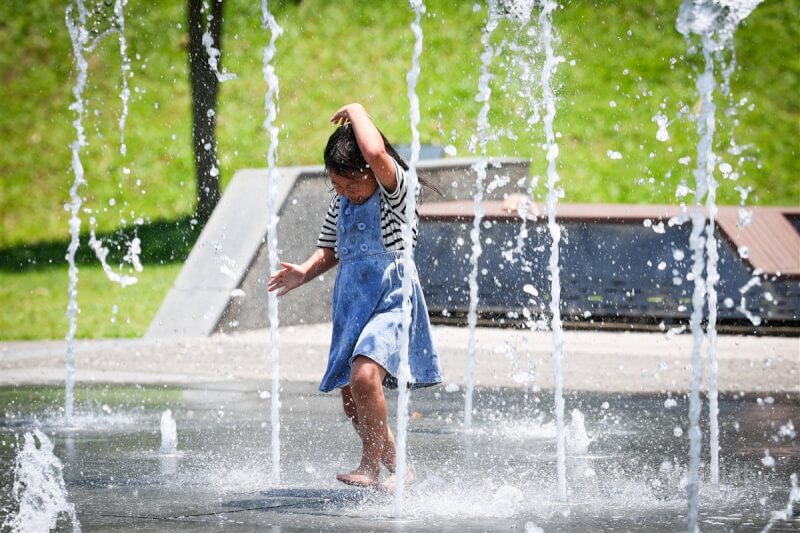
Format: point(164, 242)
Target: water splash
point(133, 254)
point(787, 512)
point(715, 21)
point(553, 192)
point(484, 95)
point(125, 70)
point(577, 438)
point(404, 372)
point(75, 19)
point(754, 281)
point(714, 18)
point(39, 488)
point(169, 434)
point(213, 52)
point(102, 255)
point(271, 106)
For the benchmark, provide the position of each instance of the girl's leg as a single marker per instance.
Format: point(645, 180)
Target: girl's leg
point(350, 406)
point(350, 409)
point(390, 451)
point(366, 392)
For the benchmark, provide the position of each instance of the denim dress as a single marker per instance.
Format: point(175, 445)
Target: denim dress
point(368, 304)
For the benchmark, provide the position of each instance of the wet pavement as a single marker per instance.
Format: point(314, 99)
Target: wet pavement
point(498, 476)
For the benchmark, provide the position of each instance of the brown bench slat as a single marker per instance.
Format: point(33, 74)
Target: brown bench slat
point(773, 242)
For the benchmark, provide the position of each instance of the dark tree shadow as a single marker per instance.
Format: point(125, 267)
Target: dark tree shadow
point(162, 242)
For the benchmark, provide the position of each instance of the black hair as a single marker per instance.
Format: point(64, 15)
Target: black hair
point(343, 155)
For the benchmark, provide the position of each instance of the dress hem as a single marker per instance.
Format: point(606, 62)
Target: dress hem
point(389, 381)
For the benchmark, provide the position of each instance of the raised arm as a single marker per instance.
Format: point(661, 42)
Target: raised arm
point(370, 142)
point(291, 276)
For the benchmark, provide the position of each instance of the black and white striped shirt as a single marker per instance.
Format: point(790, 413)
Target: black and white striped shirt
point(393, 205)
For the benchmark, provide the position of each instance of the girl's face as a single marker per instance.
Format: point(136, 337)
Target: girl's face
point(357, 188)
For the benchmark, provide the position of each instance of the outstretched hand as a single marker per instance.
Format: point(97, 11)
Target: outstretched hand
point(289, 277)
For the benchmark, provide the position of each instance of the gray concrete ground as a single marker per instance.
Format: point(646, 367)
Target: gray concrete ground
point(592, 360)
point(628, 473)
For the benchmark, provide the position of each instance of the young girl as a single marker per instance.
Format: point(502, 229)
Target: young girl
point(362, 232)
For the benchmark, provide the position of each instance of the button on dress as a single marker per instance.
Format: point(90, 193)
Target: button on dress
point(367, 304)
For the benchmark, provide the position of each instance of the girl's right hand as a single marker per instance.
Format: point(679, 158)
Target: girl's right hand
point(289, 277)
point(342, 115)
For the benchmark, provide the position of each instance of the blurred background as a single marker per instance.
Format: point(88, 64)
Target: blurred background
point(626, 69)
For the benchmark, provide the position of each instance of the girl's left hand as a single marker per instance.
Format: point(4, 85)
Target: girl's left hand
point(289, 277)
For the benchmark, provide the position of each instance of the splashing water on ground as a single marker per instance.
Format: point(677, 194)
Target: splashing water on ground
point(39, 489)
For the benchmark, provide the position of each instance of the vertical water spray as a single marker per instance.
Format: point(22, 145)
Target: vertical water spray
point(715, 21)
point(524, 71)
point(75, 19)
point(705, 164)
point(125, 93)
point(404, 371)
point(169, 433)
point(271, 106)
point(712, 278)
point(551, 62)
point(484, 95)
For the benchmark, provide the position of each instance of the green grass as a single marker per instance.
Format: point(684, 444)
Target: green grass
point(39, 302)
point(336, 52)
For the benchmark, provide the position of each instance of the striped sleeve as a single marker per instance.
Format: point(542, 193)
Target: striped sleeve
point(397, 197)
point(327, 235)
point(393, 215)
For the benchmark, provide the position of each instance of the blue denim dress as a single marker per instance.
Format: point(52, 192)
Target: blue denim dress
point(367, 304)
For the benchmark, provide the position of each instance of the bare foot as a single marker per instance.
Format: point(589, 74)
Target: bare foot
point(358, 478)
point(391, 482)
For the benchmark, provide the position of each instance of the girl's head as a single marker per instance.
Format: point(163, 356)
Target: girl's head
point(344, 157)
point(347, 168)
point(349, 171)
